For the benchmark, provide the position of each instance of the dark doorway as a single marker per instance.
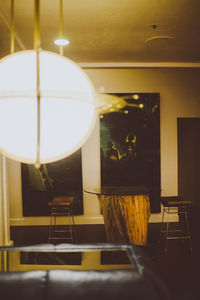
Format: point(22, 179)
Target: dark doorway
point(189, 170)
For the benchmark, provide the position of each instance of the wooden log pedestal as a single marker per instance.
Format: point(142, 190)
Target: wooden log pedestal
point(126, 211)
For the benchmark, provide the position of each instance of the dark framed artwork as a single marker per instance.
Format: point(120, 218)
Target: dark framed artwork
point(61, 178)
point(130, 145)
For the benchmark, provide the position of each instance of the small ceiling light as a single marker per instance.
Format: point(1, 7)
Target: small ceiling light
point(141, 105)
point(159, 38)
point(61, 42)
point(135, 96)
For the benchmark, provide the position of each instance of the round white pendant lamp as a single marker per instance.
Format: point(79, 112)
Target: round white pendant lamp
point(67, 107)
point(47, 103)
point(48, 106)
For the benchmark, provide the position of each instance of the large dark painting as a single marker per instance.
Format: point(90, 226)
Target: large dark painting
point(130, 145)
point(61, 178)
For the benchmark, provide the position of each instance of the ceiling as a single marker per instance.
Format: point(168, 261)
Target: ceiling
point(110, 31)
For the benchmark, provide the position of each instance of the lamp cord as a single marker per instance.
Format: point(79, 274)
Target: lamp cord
point(37, 48)
point(61, 26)
point(37, 25)
point(12, 27)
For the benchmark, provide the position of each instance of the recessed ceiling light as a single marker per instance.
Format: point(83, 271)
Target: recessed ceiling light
point(160, 37)
point(135, 96)
point(61, 42)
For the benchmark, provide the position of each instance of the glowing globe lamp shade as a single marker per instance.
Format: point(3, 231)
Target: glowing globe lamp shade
point(67, 112)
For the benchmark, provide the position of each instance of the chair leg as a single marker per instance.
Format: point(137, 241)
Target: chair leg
point(163, 219)
point(51, 226)
point(70, 225)
point(166, 236)
point(188, 228)
point(73, 227)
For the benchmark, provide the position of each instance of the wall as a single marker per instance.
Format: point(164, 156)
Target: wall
point(179, 90)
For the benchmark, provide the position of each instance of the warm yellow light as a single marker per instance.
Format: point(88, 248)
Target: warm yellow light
point(67, 106)
point(61, 42)
point(135, 96)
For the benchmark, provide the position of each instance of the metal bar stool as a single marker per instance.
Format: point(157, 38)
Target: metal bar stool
point(61, 206)
point(174, 205)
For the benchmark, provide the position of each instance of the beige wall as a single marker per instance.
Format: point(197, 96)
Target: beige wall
point(179, 90)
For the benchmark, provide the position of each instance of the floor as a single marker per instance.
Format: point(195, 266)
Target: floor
point(178, 268)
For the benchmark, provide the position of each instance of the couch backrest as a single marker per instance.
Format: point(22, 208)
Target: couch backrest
point(80, 285)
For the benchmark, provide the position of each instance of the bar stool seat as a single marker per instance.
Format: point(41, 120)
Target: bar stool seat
point(61, 206)
point(174, 201)
point(174, 205)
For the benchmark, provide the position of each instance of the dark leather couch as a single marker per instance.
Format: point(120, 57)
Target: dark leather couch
point(141, 282)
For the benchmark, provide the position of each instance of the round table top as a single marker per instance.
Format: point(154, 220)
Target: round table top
point(118, 190)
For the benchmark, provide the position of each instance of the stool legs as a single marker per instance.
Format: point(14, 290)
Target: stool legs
point(71, 223)
point(54, 232)
point(52, 225)
point(188, 228)
point(185, 230)
point(167, 231)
